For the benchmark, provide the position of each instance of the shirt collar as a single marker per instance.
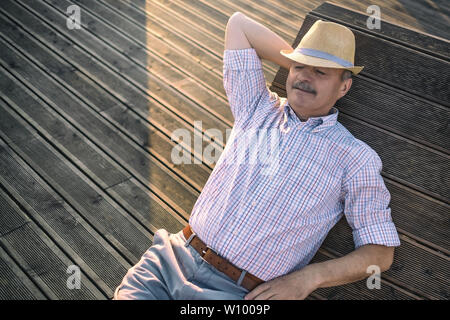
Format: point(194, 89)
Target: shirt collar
point(318, 123)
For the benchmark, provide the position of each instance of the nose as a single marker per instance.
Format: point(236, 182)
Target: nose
point(305, 74)
point(304, 78)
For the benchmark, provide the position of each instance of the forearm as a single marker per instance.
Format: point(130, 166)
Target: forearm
point(351, 267)
point(266, 43)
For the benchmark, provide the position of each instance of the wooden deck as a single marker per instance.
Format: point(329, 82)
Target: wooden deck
point(86, 176)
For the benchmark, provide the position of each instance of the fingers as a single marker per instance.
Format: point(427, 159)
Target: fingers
point(266, 295)
point(257, 291)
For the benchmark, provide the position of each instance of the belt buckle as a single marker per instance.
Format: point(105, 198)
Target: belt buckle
point(203, 254)
point(204, 251)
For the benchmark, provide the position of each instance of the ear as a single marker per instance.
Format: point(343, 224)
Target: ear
point(345, 86)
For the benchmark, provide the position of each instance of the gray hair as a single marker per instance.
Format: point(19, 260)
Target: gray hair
point(347, 74)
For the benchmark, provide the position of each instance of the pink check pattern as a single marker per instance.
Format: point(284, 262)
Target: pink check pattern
point(271, 225)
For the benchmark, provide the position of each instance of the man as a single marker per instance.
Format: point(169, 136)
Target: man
point(256, 226)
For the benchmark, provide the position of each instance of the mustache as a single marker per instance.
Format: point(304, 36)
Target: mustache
point(304, 86)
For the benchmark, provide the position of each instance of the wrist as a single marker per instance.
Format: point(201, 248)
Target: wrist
point(313, 272)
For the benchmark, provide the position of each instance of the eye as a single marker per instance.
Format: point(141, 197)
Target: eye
point(299, 67)
point(320, 72)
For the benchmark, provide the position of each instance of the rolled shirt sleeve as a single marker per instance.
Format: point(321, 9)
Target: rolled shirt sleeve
point(367, 206)
point(244, 82)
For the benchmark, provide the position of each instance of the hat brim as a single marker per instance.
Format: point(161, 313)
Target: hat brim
point(317, 62)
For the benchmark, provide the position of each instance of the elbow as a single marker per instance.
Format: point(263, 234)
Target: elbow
point(386, 266)
point(381, 256)
point(235, 37)
point(236, 15)
point(387, 259)
point(236, 20)
point(232, 19)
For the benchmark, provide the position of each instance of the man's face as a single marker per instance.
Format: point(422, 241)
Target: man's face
point(312, 91)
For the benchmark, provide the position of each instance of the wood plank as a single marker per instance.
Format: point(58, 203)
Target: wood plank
point(413, 75)
point(189, 22)
point(94, 205)
point(8, 220)
point(62, 223)
point(419, 41)
point(41, 258)
point(106, 82)
point(292, 18)
point(405, 162)
point(154, 216)
point(214, 109)
point(161, 92)
point(415, 267)
point(227, 8)
point(179, 104)
point(412, 211)
point(157, 54)
point(425, 16)
point(15, 283)
point(68, 139)
point(182, 63)
point(160, 219)
point(139, 164)
point(283, 27)
point(212, 24)
point(298, 8)
point(76, 147)
point(148, 138)
point(54, 40)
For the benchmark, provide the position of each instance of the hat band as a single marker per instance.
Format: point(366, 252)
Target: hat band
point(324, 55)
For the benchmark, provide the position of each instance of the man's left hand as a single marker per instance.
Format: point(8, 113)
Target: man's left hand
point(293, 286)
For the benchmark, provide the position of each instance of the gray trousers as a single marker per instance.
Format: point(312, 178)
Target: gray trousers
point(171, 269)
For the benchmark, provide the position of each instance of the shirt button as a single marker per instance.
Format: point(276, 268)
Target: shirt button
point(253, 203)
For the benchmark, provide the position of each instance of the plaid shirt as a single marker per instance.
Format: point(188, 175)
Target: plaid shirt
point(271, 217)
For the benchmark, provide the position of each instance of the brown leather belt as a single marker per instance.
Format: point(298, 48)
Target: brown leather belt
point(249, 281)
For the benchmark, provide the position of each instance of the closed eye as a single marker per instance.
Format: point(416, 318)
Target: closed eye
point(318, 71)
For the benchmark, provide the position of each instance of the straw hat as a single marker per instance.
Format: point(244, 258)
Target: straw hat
point(326, 44)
